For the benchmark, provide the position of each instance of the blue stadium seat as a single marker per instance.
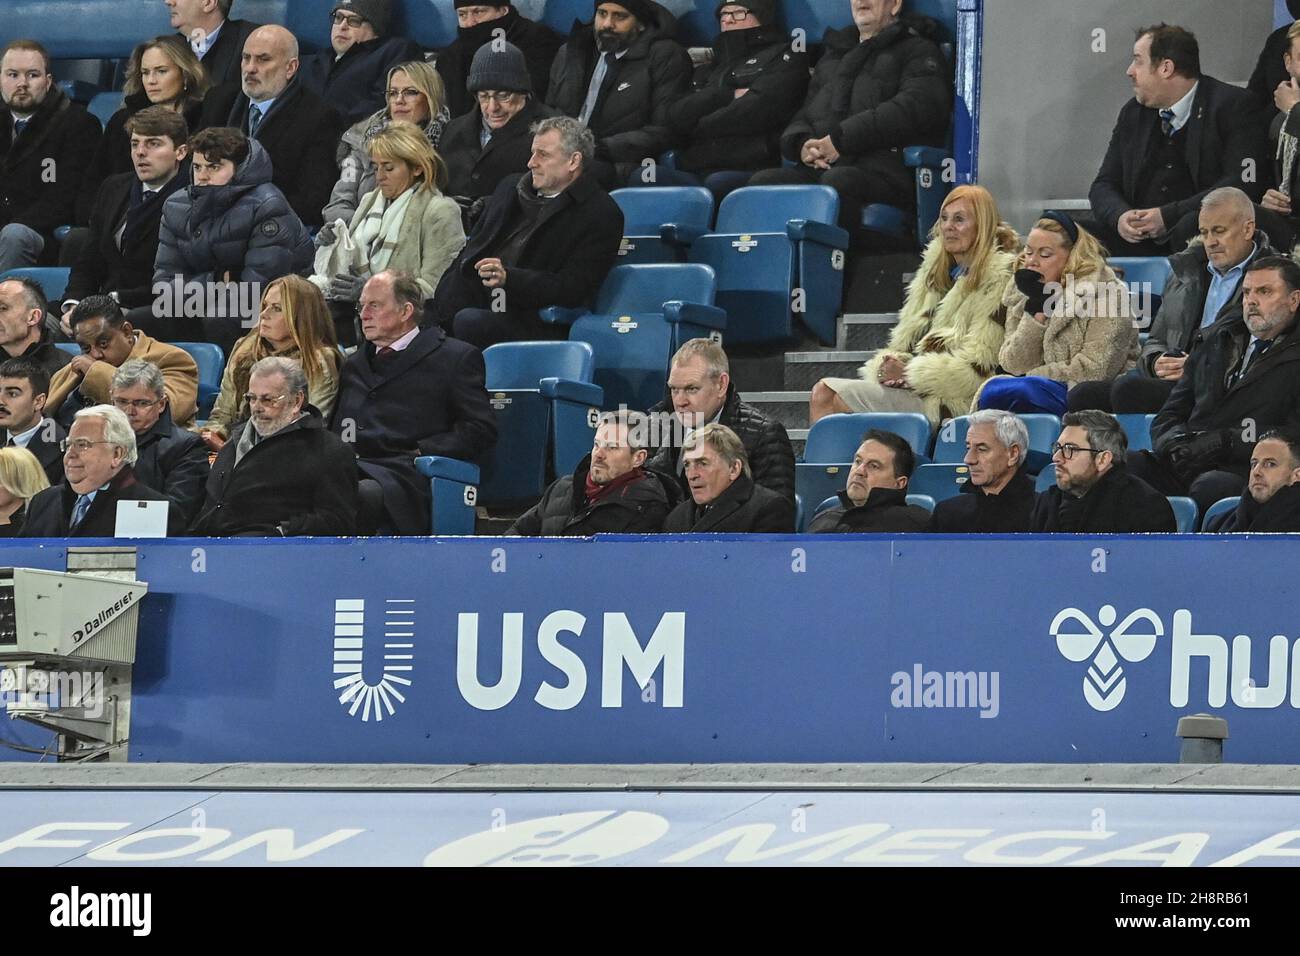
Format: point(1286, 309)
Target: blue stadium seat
point(1137, 429)
point(798, 513)
point(939, 481)
point(72, 348)
point(53, 280)
point(212, 363)
point(1046, 479)
point(659, 222)
point(104, 105)
point(921, 501)
point(545, 401)
point(777, 253)
point(452, 483)
point(832, 441)
point(1145, 278)
point(1218, 511)
point(1185, 513)
point(950, 443)
point(635, 327)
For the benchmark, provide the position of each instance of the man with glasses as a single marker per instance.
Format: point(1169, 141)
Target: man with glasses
point(24, 386)
point(1094, 492)
point(353, 75)
point(215, 39)
point(298, 130)
point(97, 458)
point(282, 473)
point(492, 141)
point(168, 458)
point(478, 24)
point(610, 492)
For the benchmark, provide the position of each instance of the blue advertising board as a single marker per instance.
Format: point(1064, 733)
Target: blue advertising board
point(713, 649)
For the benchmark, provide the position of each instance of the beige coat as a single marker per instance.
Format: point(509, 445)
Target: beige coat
point(1089, 334)
point(948, 341)
point(180, 379)
point(230, 407)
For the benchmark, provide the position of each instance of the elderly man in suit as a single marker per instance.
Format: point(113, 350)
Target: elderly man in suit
point(724, 497)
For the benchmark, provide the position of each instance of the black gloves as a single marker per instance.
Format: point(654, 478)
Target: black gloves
point(1194, 455)
point(1031, 284)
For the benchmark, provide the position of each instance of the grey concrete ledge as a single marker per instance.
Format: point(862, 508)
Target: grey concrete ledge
point(974, 777)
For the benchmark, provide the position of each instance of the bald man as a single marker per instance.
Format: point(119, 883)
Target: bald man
point(293, 124)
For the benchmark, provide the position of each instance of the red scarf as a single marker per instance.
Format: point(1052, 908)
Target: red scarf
point(595, 492)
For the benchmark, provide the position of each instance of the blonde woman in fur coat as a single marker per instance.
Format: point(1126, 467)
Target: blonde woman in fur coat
point(1069, 320)
point(949, 333)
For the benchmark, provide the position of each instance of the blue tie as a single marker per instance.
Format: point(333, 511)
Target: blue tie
point(254, 119)
point(79, 510)
point(1167, 122)
point(19, 126)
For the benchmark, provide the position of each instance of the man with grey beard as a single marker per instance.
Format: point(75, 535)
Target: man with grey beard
point(282, 472)
point(1240, 383)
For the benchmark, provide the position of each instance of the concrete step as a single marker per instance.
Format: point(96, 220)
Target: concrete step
point(867, 331)
point(799, 438)
point(788, 408)
point(804, 369)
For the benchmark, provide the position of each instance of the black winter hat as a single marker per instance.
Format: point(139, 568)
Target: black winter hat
point(765, 10)
point(377, 12)
point(502, 69)
point(643, 10)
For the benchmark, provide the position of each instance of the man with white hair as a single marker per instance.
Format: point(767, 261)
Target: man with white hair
point(724, 497)
point(98, 456)
point(282, 473)
point(998, 496)
point(297, 129)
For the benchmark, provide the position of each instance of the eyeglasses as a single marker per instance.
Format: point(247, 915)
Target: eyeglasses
point(406, 94)
point(81, 445)
point(271, 400)
point(139, 404)
point(354, 22)
point(489, 96)
point(1067, 451)
point(735, 16)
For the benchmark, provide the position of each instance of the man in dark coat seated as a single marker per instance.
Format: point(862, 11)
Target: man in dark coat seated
point(998, 497)
point(407, 391)
point(610, 492)
point(548, 237)
point(215, 39)
point(97, 475)
point(875, 497)
point(1094, 492)
point(352, 76)
point(1241, 381)
point(700, 391)
point(282, 472)
point(724, 497)
point(24, 386)
point(1272, 499)
point(477, 23)
point(26, 327)
point(169, 458)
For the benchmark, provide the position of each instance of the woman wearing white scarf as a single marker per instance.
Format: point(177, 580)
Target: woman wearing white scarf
point(405, 224)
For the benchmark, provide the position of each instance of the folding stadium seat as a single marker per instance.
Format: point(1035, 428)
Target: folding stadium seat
point(1137, 428)
point(939, 481)
point(452, 482)
point(545, 406)
point(53, 280)
point(1185, 513)
point(1218, 511)
point(643, 313)
point(1145, 278)
point(659, 222)
point(1046, 479)
point(104, 105)
point(777, 253)
point(212, 363)
point(828, 452)
point(950, 443)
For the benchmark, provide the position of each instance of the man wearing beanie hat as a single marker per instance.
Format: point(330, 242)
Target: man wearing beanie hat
point(731, 123)
point(478, 21)
point(351, 76)
point(492, 140)
point(619, 75)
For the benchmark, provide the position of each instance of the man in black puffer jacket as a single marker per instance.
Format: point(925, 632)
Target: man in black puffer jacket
point(610, 492)
point(880, 85)
point(700, 391)
point(478, 21)
point(619, 75)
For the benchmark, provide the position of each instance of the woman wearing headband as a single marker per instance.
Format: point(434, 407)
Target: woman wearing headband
point(1069, 320)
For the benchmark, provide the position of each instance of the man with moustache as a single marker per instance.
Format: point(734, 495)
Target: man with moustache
point(24, 386)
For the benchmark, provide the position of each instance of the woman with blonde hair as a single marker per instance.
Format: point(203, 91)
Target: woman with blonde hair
point(405, 224)
point(950, 329)
point(161, 72)
point(294, 322)
point(415, 94)
point(1069, 320)
point(21, 478)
